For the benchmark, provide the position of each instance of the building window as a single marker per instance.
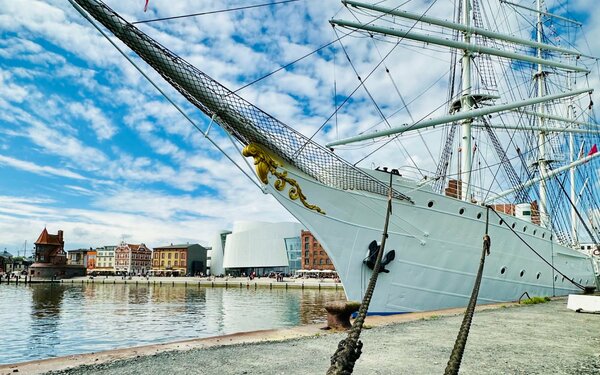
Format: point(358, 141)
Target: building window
point(176, 255)
point(306, 261)
point(162, 255)
point(306, 254)
point(175, 263)
point(306, 244)
point(182, 256)
point(169, 256)
point(321, 261)
point(162, 263)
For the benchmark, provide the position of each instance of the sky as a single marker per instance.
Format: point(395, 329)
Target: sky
point(88, 146)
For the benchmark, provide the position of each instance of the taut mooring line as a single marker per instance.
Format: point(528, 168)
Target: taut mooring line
point(461, 340)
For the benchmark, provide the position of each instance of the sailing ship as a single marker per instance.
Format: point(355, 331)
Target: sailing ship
point(438, 222)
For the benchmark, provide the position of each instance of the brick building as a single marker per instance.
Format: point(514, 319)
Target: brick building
point(50, 258)
point(132, 259)
point(313, 255)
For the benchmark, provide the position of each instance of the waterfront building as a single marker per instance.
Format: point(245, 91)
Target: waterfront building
point(179, 260)
point(132, 259)
point(217, 252)
point(78, 257)
point(5, 262)
point(258, 247)
point(293, 247)
point(91, 261)
point(313, 255)
point(50, 259)
point(105, 260)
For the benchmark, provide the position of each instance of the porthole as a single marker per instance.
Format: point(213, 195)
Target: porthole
point(534, 231)
point(522, 273)
point(430, 204)
point(586, 281)
point(543, 235)
point(524, 229)
point(563, 279)
point(580, 281)
point(461, 211)
point(538, 275)
point(503, 270)
point(501, 222)
point(513, 225)
point(555, 277)
point(479, 215)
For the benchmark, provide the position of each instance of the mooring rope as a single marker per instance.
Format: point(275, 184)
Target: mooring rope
point(350, 348)
point(461, 340)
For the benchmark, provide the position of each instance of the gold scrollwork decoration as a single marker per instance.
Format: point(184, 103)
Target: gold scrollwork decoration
point(265, 164)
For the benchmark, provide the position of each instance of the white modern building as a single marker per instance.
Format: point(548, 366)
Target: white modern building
point(259, 247)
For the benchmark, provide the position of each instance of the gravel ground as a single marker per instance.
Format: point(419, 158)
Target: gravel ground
point(535, 339)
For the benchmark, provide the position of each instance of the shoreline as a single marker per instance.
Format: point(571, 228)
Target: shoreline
point(219, 282)
point(64, 363)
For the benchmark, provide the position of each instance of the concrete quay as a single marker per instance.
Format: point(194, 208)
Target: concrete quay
point(206, 282)
point(505, 339)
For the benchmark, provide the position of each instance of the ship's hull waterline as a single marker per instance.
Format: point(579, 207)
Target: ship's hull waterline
point(438, 248)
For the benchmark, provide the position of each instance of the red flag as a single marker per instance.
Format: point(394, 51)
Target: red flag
point(593, 150)
point(146, 6)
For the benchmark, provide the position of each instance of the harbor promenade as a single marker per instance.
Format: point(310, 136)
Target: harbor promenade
point(208, 282)
point(505, 339)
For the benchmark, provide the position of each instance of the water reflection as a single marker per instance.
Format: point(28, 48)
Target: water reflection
point(54, 320)
point(46, 302)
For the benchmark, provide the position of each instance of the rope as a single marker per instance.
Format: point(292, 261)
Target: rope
point(213, 12)
point(461, 340)
point(536, 253)
point(350, 348)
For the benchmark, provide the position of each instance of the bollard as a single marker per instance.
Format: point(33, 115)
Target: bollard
point(303, 285)
point(136, 283)
point(114, 281)
point(285, 286)
point(212, 284)
point(319, 286)
point(17, 281)
point(270, 285)
point(225, 284)
point(173, 283)
point(102, 281)
point(185, 284)
point(160, 283)
point(255, 285)
point(240, 285)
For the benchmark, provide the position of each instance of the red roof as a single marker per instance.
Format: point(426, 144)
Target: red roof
point(48, 239)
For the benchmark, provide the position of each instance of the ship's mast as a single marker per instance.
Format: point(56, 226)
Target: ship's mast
point(466, 105)
point(571, 115)
point(542, 162)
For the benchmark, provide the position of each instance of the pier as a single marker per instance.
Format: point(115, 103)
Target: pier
point(505, 338)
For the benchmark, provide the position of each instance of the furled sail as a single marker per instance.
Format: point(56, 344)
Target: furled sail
point(243, 120)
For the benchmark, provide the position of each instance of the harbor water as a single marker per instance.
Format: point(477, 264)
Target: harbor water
point(47, 320)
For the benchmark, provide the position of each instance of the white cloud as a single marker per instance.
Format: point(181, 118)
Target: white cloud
point(39, 169)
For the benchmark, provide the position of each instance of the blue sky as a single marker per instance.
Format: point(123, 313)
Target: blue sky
point(89, 147)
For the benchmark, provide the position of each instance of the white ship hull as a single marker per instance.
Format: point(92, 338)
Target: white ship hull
point(437, 248)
